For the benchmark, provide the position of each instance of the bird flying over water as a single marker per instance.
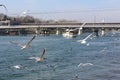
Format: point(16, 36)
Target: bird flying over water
point(27, 45)
point(41, 58)
point(83, 41)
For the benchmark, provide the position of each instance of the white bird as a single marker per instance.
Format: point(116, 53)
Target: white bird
point(27, 45)
point(83, 41)
point(41, 58)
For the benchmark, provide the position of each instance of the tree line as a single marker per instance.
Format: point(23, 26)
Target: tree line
point(19, 20)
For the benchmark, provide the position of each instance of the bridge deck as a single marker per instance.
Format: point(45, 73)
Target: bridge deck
point(75, 25)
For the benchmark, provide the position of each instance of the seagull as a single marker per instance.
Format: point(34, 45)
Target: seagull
point(4, 6)
point(27, 45)
point(83, 41)
point(41, 58)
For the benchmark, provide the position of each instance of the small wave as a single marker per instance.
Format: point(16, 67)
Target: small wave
point(32, 57)
point(17, 66)
point(88, 44)
point(106, 77)
point(115, 71)
point(103, 50)
point(35, 58)
point(85, 64)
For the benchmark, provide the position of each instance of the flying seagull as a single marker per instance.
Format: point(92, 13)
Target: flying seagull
point(41, 58)
point(27, 45)
point(83, 41)
point(4, 6)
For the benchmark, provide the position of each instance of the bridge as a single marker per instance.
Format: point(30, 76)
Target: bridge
point(64, 25)
point(46, 28)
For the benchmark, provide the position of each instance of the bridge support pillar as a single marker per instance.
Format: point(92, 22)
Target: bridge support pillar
point(80, 31)
point(19, 33)
point(37, 30)
point(57, 31)
point(96, 32)
point(45, 32)
point(103, 32)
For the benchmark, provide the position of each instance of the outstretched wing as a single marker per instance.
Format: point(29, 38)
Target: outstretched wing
point(44, 50)
point(88, 36)
point(31, 40)
point(16, 43)
point(85, 38)
point(4, 6)
point(82, 26)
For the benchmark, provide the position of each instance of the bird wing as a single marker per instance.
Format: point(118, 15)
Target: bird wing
point(88, 36)
point(44, 50)
point(30, 40)
point(82, 26)
point(16, 43)
point(4, 6)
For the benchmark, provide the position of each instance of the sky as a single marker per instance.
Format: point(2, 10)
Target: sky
point(79, 10)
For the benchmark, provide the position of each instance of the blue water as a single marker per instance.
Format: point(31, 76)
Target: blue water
point(62, 57)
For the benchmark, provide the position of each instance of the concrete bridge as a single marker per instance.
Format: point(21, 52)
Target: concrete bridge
point(46, 28)
point(64, 25)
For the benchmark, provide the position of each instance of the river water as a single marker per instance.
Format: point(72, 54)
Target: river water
point(65, 59)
